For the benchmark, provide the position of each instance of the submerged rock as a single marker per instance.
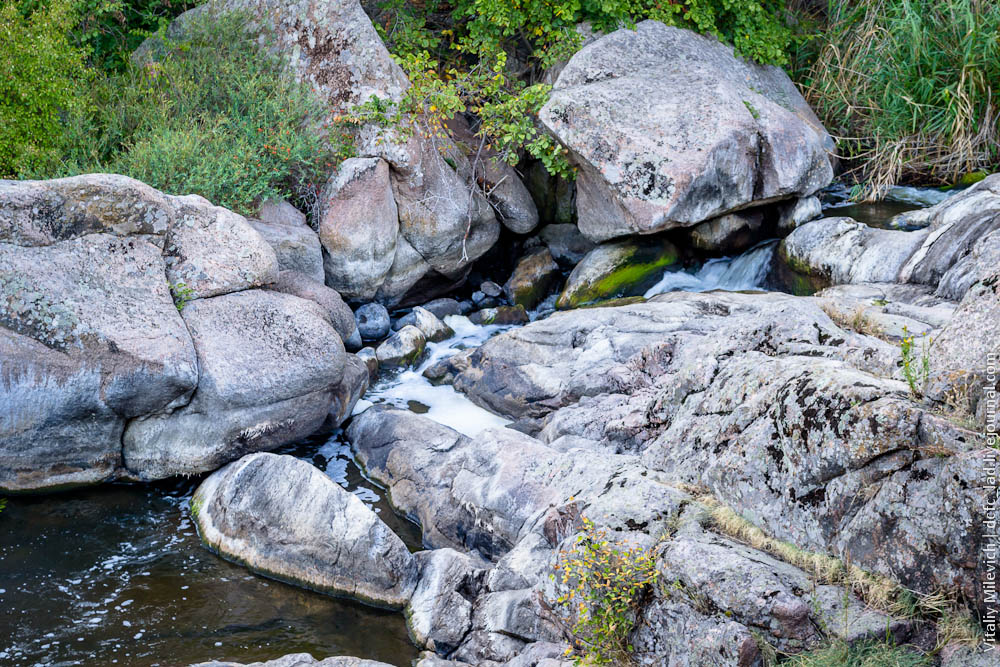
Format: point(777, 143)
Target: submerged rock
point(613, 270)
point(283, 517)
point(299, 660)
point(623, 103)
point(534, 277)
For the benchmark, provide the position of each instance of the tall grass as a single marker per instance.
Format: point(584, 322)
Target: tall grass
point(909, 88)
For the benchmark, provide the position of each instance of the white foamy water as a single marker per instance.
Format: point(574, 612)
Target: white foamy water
point(442, 403)
point(743, 272)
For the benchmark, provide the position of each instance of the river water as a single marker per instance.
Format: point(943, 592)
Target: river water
point(117, 574)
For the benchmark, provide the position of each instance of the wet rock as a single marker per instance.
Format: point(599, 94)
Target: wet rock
point(440, 610)
point(368, 356)
point(533, 279)
point(500, 315)
point(269, 366)
point(372, 321)
point(612, 270)
point(645, 165)
point(730, 233)
point(90, 338)
point(283, 517)
point(567, 245)
point(434, 330)
point(296, 247)
point(491, 289)
point(299, 660)
point(358, 226)
point(403, 348)
point(481, 300)
point(338, 312)
point(441, 308)
point(841, 250)
point(353, 385)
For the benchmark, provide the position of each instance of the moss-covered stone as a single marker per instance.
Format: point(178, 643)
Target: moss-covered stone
point(615, 270)
point(796, 276)
point(533, 279)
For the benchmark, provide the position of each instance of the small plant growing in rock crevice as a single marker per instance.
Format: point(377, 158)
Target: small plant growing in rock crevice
point(606, 586)
point(181, 294)
point(915, 370)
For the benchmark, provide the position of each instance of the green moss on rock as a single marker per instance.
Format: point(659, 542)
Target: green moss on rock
point(616, 270)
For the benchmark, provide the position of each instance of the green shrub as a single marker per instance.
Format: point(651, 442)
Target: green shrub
point(214, 114)
point(606, 585)
point(907, 86)
point(42, 74)
point(461, 56)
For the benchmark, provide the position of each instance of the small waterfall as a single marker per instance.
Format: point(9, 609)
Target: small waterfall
point(743, 272)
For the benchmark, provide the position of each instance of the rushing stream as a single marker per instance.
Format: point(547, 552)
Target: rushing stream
point(117, 574)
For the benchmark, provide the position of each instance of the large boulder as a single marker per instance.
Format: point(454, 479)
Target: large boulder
point(668, 129)
point(358, 225)
point(89, 338)
point(283, 517)
point(299, 660)
point(338, 313)
point(269, 364)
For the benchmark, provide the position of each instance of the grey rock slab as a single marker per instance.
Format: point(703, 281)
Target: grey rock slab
point(358, 226)
point(283, 517)
point(567, 245)
point(269, 368)
point(299, 660)
point(296, 247)
point(622, 105)
point(439, 613)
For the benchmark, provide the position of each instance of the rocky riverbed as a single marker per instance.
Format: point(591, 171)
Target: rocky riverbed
point(410, 427)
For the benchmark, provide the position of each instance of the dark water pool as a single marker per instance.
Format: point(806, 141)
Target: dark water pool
point(117, 575)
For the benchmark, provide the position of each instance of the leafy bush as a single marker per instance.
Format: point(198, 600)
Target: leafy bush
point(486, 57)
point(41, 78)
point(606, 586)
point(907, 86)
point(214, 114)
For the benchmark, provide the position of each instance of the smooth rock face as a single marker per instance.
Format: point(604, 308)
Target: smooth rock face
point(89, 338)
point(956, 225)
point(372, 321)
point(622, 105)
point(358, 225)
point(295, 246)
point(269, 367)
point(433, 329)
point(523, 504)
point(611, 270)
point(285, 518)
point(402, 348)
point(535, 275)
point(280, 212)
point(841, 250)
point(338, 313)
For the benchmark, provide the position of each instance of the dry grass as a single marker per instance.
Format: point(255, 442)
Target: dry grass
point(878, 592)
point(856, 320)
